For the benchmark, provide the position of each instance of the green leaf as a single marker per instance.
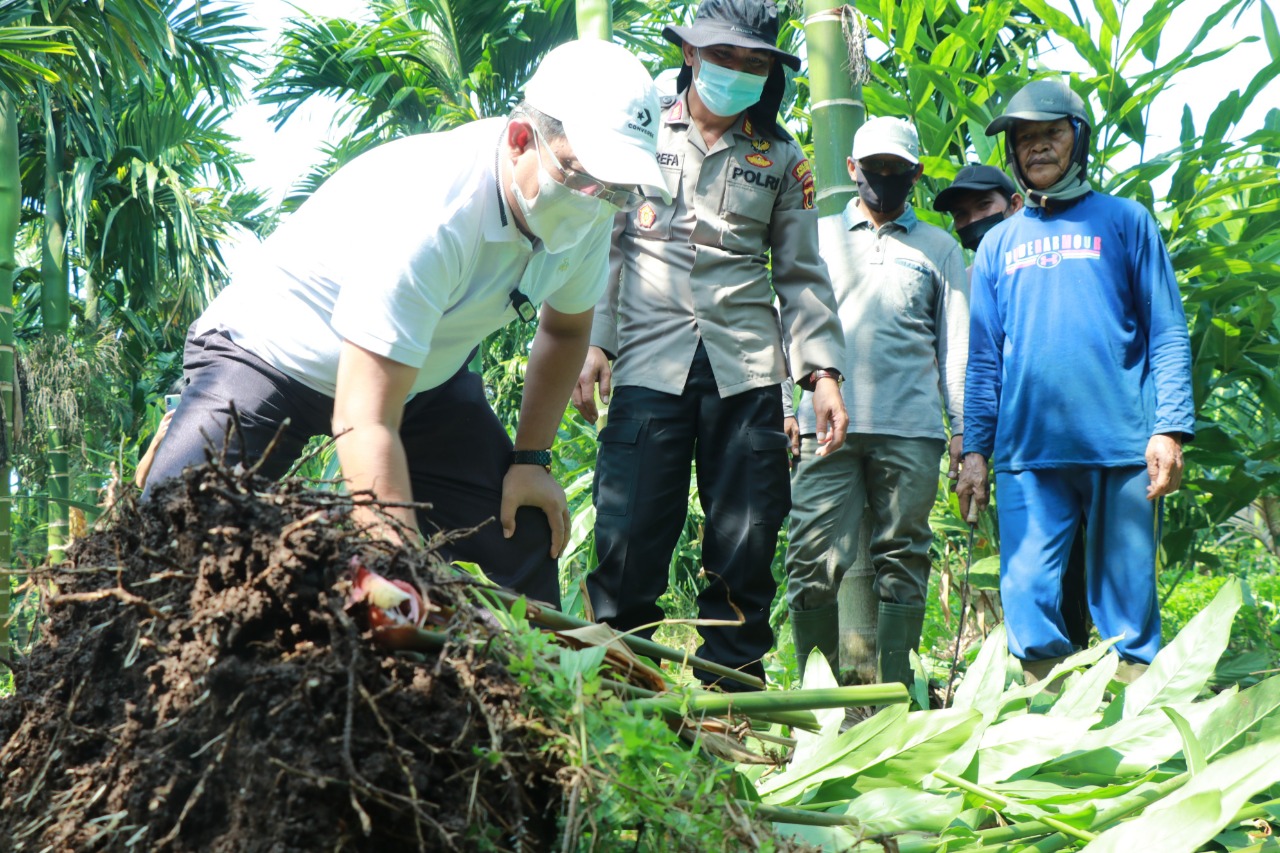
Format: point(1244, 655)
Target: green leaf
point(1238, 715)
point(888, 810)
point(1084, 695)
point(1182, 668)
point(1022, 743)
point(1269, 30)
point(985, 679)
point(1191, 749)
point(892, 748)
point(1190, 816)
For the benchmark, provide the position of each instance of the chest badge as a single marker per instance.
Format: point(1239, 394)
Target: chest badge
point(646, 215)
point(758, 159)
point(761, 145)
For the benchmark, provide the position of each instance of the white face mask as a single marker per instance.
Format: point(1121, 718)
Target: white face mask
point(558, 216)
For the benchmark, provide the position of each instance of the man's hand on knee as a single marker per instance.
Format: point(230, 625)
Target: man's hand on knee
point(532, 485)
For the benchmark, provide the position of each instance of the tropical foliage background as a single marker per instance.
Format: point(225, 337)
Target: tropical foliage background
point(120, 190)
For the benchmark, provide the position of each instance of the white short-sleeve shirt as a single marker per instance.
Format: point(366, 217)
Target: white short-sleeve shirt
point(410, 252)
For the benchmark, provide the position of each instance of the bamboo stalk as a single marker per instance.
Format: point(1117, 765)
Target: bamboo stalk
point(773, 702)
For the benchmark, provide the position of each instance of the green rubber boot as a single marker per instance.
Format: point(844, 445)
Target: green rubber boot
point(859, 606)
point(817, 629)
point(897, 636)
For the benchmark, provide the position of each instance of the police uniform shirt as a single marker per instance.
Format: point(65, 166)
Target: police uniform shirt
point(697, 269)
point(409, 252)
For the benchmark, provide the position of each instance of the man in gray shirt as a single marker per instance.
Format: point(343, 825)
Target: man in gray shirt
point(904, 303)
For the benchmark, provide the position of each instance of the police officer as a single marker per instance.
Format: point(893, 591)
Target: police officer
point(690, 327)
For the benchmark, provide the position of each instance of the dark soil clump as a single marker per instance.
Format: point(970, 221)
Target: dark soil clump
point(200, 687)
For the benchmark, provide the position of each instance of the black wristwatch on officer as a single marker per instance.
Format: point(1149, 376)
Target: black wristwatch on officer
point(811, 381)
point(532, 457)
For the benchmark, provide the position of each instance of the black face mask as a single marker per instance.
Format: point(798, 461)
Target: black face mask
point(884, 193)
point(971, 235)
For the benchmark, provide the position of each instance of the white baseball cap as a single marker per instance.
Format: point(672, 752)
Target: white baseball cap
point(608, 105)
point(887, 135)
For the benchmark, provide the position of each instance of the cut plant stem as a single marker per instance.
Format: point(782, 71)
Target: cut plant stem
point(544, 615)
point(782, 814)
point(775, 701)
point(986, 793)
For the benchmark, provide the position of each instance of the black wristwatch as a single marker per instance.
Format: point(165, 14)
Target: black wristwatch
point(532, 457)
point(811, 381)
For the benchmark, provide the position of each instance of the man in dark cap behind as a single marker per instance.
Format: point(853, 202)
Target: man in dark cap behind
point(979, 199)
point(690, 326)
point(1079, 382)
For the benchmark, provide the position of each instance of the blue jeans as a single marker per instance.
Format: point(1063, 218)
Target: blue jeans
point(1039, 512)
point(457, 449)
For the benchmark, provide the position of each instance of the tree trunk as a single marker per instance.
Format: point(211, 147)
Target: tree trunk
point(55, 315)
point(835, 103)
point(10, 205)
point(836, 112)
point(595, 19)
point(1269, 505)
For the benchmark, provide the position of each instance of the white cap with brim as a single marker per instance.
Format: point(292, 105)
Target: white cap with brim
point(887, 135)
point(608, 105)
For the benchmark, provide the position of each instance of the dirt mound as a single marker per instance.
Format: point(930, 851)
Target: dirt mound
point(200, 687)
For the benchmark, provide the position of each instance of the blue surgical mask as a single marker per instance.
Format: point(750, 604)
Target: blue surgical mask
point(724, 91)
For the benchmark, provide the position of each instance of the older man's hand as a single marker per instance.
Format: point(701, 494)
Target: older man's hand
point(971, 488)
point(1164, 465)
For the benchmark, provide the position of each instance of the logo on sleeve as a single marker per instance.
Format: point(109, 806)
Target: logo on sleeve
point(803, 173)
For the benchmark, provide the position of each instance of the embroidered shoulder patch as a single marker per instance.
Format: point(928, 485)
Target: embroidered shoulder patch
point(803, 173)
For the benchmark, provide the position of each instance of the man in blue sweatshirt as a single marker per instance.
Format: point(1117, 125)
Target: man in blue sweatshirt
point(1078, 383)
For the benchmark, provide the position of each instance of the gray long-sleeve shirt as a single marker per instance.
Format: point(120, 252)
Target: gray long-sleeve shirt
point(698, 268)
point(903, 297)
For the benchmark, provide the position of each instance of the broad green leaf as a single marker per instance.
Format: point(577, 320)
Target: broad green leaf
point(1083, 658)
point(888, 810)
point(1084, 695)
point(1239, 714)
point(901, 750)
point(1022, 743)
point(1136, 744)
point(820, 763)
point(1182, 668)
point(818, 675)
point(985, 679)
point(1189, 817)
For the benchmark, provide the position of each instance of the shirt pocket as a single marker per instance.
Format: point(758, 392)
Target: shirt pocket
point(911, 288)
point(746, 213)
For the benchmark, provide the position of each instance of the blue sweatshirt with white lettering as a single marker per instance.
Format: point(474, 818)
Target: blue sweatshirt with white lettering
point(1078, 345)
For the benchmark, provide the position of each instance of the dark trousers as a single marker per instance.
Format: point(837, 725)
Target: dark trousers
point(457, 449)
point(641, 498)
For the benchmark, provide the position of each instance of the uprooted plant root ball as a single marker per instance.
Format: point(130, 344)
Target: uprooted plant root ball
point(199, 686)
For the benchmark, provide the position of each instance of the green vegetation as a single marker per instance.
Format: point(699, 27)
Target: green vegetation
point(118, 187)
